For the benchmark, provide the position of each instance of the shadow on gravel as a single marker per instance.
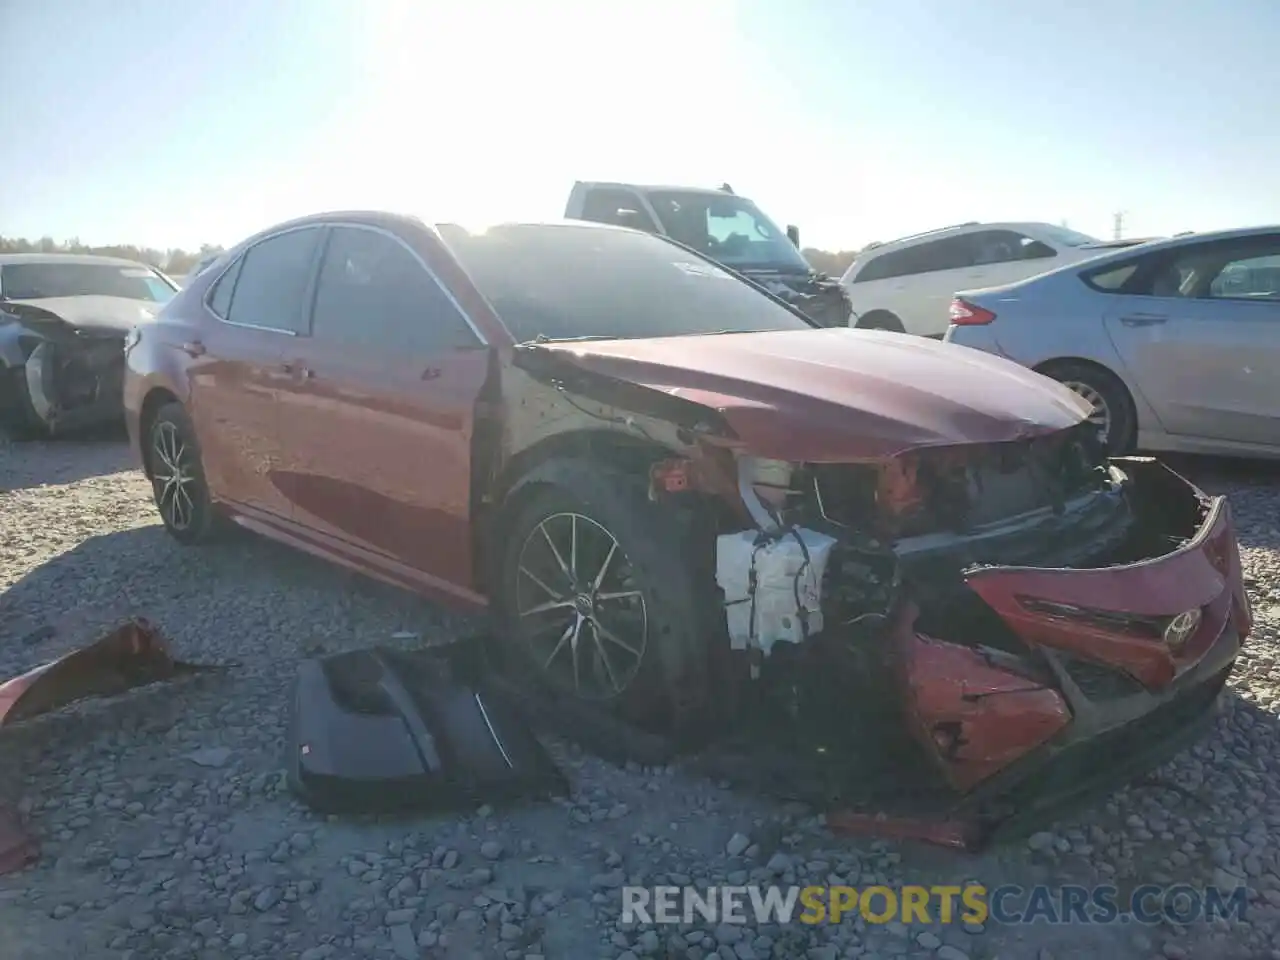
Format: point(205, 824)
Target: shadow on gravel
point(243, 584)
point(26, 464)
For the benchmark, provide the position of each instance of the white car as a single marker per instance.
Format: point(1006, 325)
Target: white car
point(907, 285)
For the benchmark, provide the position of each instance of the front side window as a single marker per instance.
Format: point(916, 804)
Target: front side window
point(270, 290)
point(38, 281)
point(1248, 278)
point(729, 229)
point(375, 295)
point(638, 285)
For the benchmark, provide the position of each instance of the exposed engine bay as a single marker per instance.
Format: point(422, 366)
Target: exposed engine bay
point(1041, 615)
point(935, 608)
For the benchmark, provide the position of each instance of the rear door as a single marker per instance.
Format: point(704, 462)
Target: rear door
point(1199, 329)
point(254, 310)
point(618, 206)
point(377, 419)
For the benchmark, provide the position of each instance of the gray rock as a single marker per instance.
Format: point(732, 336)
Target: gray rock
point(491, 850)
point(211, 757)
point(267, 898)
point(1044, 840)
point(403, 942)
point(737, 845)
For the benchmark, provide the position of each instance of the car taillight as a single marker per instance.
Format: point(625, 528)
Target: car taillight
point(966, 314)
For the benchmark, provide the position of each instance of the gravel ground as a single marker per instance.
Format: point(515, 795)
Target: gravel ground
point(167, 831)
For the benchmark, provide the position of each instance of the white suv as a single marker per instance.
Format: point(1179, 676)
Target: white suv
point(907, 284)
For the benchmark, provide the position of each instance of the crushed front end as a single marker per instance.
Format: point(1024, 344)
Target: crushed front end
point(1042, 622)
point(60, 376)
point(819, 297)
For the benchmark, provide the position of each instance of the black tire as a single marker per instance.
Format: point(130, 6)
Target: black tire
point(198, 521)
point(18, 417)
point(1122, 429)
point(666, 690)
point(881, 320)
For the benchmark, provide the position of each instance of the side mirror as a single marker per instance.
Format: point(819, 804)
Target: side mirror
point(793, 234)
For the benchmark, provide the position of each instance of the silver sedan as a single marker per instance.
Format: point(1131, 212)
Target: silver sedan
point(1174, 343)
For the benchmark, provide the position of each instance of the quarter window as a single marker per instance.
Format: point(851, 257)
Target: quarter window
point(223, 288)
point(375, 295)
point(270, 285)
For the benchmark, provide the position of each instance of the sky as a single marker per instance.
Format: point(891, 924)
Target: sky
point(174, 124)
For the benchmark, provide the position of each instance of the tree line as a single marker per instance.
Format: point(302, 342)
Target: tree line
point(173, 261)
point(177, 262)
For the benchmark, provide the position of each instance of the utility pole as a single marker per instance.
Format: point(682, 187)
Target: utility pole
point(1119, 223)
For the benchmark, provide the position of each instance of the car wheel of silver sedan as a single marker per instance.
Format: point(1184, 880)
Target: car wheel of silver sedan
point(1112, 406)
point(1101, 416)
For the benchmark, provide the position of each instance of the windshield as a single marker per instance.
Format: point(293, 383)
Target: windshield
point(729, 229)
point(1069, 238)
point(569, 281)
point(37, 281)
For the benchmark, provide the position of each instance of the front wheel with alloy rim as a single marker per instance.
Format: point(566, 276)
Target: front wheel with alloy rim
point(176, 473)
point(598, 597)
point(1113, 412)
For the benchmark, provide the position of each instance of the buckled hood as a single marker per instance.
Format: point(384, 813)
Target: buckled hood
point(839, 395)
point(97, 315)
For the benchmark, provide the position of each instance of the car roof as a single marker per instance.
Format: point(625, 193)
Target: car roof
point(82, 258)
point(941, 233)
point(653, 187)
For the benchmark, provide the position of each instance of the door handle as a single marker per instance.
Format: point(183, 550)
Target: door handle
point(193, 348)
point(1143, 319)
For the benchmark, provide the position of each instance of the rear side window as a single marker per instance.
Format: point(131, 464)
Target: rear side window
point(1005, 246)
point(622, 208)
point(271, 282)
point(949, 253)
point(375, 295)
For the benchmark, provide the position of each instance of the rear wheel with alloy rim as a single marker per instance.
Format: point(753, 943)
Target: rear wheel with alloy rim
point(177, 477)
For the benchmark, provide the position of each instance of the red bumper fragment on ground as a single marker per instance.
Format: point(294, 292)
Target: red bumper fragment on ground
point(131, 654)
